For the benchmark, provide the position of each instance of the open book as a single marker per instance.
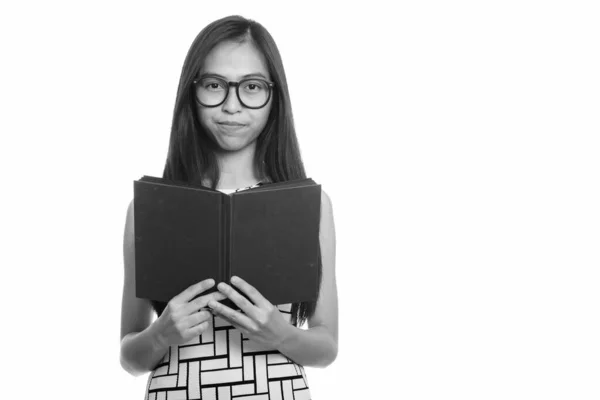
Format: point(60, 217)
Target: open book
point(267, 235)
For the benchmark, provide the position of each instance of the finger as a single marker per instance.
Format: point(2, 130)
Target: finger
point(194, 290)
point(234, 317)
point(198, 329)
point(238, 326)
point(198, 318)
point(250, 291)
point(202, 301)
point(243, 303)
point(233, 323)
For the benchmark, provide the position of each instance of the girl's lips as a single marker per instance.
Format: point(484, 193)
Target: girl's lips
point(229, 127)
point(228, 123)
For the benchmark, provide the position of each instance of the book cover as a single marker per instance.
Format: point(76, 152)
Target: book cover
point(267, 235)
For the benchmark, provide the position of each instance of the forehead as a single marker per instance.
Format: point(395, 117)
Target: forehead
point(234, 60)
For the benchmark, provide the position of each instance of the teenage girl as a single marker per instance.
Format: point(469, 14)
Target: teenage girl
point(232, 129)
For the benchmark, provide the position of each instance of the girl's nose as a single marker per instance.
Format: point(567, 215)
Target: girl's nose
point(232, 103)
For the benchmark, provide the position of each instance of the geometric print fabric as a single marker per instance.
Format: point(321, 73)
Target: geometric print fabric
point(222, 363)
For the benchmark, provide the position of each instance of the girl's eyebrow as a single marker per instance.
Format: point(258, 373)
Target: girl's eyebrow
point(254, 74)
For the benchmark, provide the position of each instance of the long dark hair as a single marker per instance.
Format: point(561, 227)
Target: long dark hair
point(191, 156)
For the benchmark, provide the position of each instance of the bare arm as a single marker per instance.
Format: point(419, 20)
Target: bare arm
point(318, 345)
point(141, 347)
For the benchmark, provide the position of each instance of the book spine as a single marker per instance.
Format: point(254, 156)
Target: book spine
point(226, 239)
point(229, 237)
point(222, 225)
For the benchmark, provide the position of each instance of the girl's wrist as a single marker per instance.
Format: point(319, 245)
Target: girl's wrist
point(159, 341)
point(286, 335)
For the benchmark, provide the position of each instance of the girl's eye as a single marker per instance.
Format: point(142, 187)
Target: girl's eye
point(254, 87)
point(212, 85)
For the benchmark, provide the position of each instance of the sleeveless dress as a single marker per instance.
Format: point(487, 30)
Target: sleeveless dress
point(222, 363)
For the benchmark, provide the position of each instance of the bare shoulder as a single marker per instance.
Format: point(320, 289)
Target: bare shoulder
point(130, 211)
point(325, 201)
point(327, 225)
point(326, 207)
point(129, 236)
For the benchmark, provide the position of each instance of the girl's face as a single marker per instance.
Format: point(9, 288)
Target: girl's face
point(232, 125)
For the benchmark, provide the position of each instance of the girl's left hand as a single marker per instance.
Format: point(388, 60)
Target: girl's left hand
point(261, 321)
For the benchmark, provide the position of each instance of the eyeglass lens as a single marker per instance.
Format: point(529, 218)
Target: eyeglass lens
point(252, 92)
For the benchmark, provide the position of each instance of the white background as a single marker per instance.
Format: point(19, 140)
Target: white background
point(458, 142)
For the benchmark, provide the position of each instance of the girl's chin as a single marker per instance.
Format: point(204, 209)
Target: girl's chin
point(233, 144)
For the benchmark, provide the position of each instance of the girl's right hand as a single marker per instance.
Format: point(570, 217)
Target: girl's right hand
point(181, 319)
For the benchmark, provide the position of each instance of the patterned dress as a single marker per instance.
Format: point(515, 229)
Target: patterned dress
point(223, 363)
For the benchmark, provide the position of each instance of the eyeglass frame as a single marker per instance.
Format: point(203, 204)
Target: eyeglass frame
point(270, 85)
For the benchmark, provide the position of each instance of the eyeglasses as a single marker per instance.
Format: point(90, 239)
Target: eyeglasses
point(212, 91)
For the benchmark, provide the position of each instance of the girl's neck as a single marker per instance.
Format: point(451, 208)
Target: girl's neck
point(237, 170)
point(233, 182)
